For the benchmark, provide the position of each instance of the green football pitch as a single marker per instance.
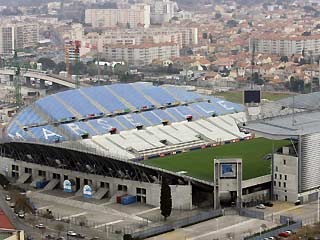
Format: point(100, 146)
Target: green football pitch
point(199, 163)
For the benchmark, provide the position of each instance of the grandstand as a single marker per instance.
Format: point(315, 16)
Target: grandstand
point(133, 121)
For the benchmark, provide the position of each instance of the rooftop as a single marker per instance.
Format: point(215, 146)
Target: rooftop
point(5, 222)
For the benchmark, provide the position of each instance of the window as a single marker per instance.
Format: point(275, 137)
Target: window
point(279, 184)
point(284, 184)
point(285, 177)
point(280, 176)
point(285, 198)
point(122, 188)
point(284, 162)
point(277, 169)
point(275, 183)
point(275, 176)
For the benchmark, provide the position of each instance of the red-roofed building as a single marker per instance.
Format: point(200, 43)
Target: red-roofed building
point(5, 222)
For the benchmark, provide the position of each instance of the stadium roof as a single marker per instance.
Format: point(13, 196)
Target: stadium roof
point(309, 101)
point(289, 126)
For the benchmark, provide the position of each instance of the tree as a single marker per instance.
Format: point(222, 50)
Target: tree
point(165, 199)
point(47, 63)
point(21, 201)
point(264, 227)
point(61, 66)
point(59, 228)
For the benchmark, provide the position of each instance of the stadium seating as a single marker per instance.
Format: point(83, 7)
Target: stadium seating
point(105, 98)
point(130, 120)
point(28, 117)
point(53, 108)
point(78, 102)
point(182, 95)
point(131, 95)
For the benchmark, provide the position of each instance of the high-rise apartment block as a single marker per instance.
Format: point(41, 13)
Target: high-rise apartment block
point(285, 45)
point(17, 36)
point(136, 16)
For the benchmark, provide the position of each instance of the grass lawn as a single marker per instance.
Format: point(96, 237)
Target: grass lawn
point(199, 163)
point(237, 96)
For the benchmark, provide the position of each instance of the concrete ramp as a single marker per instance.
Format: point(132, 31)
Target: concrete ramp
point(23, 178)
point(101, 193)
point(52, 184)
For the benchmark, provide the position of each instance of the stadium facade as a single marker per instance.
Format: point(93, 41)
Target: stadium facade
point(97, 136)
point(296, 168)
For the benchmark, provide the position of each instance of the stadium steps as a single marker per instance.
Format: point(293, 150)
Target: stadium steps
point(146, 119)
point(161, 130)
point(171, 115)
point(146, 96)
point(173, 95)
point(70, 109)
point(101, 193)
point(24, 178)
point(200, 134)
point(224, 129)
point(145, 140)
point(119, 146)
point(121, 99)
point(121, 124)
point(93, 102)
point(52, 184)
point(173, 148)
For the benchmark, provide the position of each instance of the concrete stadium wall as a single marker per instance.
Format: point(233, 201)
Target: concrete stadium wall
point(181, 194)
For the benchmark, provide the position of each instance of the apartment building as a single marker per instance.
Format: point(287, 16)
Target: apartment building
point(285, 45)
point(17, 36)
point(141, 54)
point(162, 11)
point(181, 36)
point(136, 16)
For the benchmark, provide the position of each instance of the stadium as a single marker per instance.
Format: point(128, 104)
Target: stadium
point(124, 138)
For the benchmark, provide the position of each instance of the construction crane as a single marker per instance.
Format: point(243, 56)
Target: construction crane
point(16, 80)
point(77, 61)
point(252, 62)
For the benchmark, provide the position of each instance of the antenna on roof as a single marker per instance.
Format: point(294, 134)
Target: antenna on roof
point(293, 121)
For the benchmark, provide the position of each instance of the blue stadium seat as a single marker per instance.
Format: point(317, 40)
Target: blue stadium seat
point(176, 113)
point(14, 131)
point(28, 117)
point(78, 102)
point(183, 95)
point(105, 98)
point(46, 134)
point(163, 115)
point(77, 129)
point(158, 94)
point(152, 117)
point(130, 94)
point(53, 108)
point(229, 107)
point(104, 125)
point(126, 121)
point(185, 111)
point(137, 117)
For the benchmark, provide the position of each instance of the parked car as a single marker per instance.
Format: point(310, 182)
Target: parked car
point(268, 204)
point(72, 233)
point(21, 214)
point(79, 235)
point(61, 238)
point(94, 238)
point(8, 198)
point(285, 234)
point(298, 202)
point(40, 226)
point(49, 236)
point(261, 206)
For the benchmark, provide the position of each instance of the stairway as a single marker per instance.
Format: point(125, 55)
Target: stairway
point(52, 184)
point(101, 193)
point(23, 178)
